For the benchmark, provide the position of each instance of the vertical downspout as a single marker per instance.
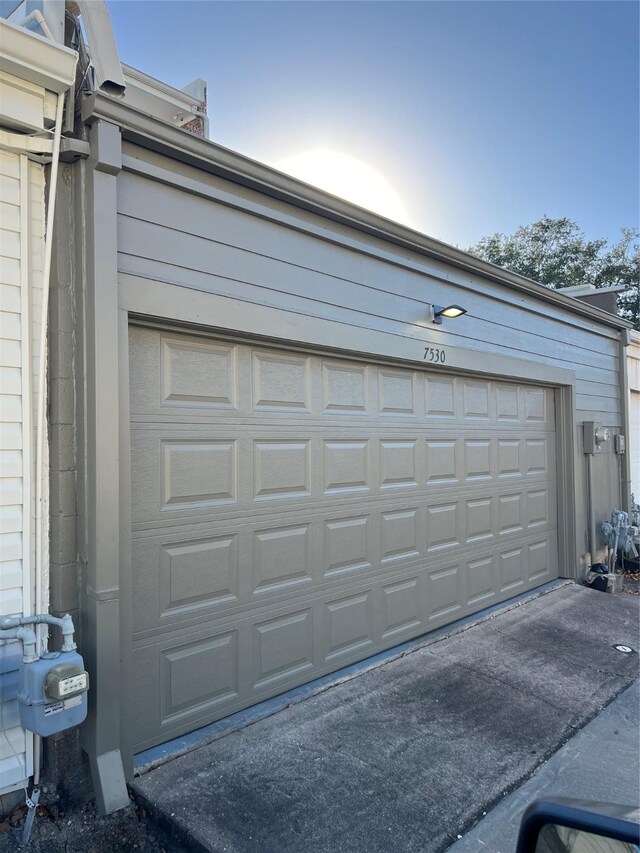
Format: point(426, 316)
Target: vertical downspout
point(28, 506)
point(625, 461)
point(591, 510)
point(42, 349)
point(41, 424)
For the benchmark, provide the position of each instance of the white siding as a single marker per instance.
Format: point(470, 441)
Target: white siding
point(21, 255)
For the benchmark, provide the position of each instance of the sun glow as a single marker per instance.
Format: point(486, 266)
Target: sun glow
point(348, 178)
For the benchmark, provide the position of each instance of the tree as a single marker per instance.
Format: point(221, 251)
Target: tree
point(556, 253)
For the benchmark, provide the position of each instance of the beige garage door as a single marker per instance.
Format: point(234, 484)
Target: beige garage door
point(294, 513)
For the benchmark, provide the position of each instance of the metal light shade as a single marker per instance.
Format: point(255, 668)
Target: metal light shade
point(451, 311)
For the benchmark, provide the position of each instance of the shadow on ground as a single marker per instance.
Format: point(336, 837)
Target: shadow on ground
point(408, 755)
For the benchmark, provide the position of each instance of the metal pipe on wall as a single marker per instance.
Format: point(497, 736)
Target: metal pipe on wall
point(625, 461)
point(590, 510)
point(42, 349)
point(42, 376)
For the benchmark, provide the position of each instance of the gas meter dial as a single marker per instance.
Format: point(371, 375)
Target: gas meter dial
point(66, 680)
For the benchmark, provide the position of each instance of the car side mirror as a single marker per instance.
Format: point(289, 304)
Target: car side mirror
point(575, 826)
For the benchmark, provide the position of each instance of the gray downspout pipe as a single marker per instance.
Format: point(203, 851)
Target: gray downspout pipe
point(591, 510)
point(625, 461)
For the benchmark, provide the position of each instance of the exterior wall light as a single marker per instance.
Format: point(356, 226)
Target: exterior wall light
point(451, 311)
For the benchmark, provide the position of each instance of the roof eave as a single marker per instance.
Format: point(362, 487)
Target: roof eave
point(37, 59)
point(205, 154)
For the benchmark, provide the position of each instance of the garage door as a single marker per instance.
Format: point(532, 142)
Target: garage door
point(293, 513)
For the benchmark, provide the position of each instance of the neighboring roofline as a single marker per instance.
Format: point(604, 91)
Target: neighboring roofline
point(579, 290)
point(202, 153)
point(149, 96)
point(37, 59)
point(177, 96)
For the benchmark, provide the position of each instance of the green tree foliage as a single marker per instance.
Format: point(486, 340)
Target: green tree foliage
point(556, 253)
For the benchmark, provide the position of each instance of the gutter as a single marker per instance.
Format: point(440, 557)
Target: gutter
point(42, 62)
point(147, 131)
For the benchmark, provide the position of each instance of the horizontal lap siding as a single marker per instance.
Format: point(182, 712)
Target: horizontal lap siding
point(210, 235)
point(173, 236)
point(16, 384)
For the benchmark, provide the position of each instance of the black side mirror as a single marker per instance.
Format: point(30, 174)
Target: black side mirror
point(575, 826)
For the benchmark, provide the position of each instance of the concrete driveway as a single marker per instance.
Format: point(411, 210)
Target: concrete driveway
point(408, 755)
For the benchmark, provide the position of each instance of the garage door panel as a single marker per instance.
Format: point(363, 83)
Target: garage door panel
point(446, 592)
point(539, 456)
point(483, 580)
point(182, 372)
point(510, 459)
point(542, 558)
point(476, 400)
point(282, 558)
point(283, 648)
point(174, 372)
point(512, 569)
point(399, 393)
point(182, 476)
point(402, 609)
point(294, 513)
point(541, 507)
point(348, 626)
point(281, 383)
point(442, 398)
point(294, 642)
point(350, 567)
point(347, 466)
point(197, 674)
point(281, 470)
point(268, 554)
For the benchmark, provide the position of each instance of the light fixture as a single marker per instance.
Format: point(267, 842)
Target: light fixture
point(451, 311)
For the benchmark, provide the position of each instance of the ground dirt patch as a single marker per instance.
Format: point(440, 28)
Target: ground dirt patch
point(631, 582)
point(84, 831)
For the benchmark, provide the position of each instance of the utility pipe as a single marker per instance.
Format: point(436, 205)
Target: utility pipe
point(27, 637)
point(65, 623)
point(625, 460)
point(591, 511)
point(37, 16)
point(42, 354)
point(42, 357)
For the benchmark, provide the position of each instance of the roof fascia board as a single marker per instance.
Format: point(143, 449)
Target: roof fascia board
point(157, 87)
point(37, 59)
point(204, 154)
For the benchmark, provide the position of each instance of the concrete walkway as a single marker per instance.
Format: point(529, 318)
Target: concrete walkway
point(408, 755)
point(599, 763)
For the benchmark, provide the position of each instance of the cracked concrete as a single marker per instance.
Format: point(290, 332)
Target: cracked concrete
point(409, 754)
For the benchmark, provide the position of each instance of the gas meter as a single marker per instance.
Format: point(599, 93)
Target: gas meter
point(53, 693)
point(619, 535)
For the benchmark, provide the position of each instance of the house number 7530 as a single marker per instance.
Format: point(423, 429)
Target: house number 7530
point(435, 355)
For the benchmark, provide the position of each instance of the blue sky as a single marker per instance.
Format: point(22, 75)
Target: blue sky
point(482, 115)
